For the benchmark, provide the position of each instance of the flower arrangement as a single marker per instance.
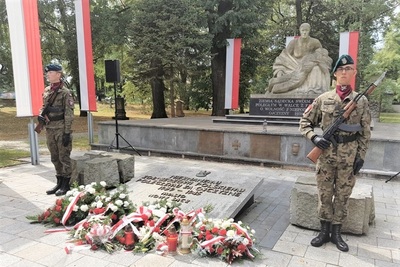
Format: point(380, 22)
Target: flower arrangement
point(225, 239)
point(81, 201)
point(101, 219)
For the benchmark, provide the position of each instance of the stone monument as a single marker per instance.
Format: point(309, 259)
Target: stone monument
point(301, 73)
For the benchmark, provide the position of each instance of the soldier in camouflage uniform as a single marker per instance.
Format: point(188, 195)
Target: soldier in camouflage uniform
point(58, 122)
point(339, 163)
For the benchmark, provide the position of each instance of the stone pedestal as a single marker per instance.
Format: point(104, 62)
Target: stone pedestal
point(304, 204)
point(179, 108)
point(120, 109)
point(97, 166)
point(101, 169)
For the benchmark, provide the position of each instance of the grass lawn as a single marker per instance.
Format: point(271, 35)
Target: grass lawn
point(9, 157)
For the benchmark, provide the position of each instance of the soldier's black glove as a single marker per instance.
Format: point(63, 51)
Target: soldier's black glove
point(66, 139)
point(357, 165)
point(41, 120)
point(320, 142)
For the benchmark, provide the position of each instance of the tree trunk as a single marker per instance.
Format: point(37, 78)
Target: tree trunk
point(157, 91)
point(299, 14)
point(219, 60)
point(218, 82)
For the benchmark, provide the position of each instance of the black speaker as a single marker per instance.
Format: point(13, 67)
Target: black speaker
point(112, 71)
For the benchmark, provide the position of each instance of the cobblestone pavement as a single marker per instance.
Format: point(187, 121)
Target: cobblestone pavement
point(281, 244)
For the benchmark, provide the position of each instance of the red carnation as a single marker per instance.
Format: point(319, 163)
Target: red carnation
point(59, 202)
point(46, 214)
point(56, 220)
point(209, 237)
point(94, 247)
point(114, 216)
point(241, 248)
point(85, 225)
point(151, 223)
point(214, 230)
point(208, 232)
point(203, 228)
point(222, 232)
point(58, 208)
point(220, 250)
point(157, 229)
point(200, 236)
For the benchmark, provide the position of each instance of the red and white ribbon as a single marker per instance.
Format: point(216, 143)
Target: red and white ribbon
point(70, 207)
point(241, 229)
point(212, 241)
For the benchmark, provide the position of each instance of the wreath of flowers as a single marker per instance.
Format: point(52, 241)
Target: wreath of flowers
point(99, 219)
point(225, 239)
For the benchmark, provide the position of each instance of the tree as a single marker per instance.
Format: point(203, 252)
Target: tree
point(229, 19)
point(6, 73)
point(165, 38)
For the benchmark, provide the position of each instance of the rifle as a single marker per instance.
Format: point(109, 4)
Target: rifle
point(388, 180)
point(345, 113)
point(45, 111)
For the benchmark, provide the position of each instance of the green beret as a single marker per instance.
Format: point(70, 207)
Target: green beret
point(53, 67)
point(342, 61)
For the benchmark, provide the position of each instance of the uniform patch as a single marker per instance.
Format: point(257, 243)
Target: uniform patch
point(71, 101)
point(308, 109)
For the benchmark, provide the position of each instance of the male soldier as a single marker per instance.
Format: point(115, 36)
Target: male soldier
point(57, 119)
point(339, 163)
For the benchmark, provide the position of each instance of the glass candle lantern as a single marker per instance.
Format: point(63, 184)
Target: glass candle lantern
point(185, 237)
point(172, 240)
point(129, 239)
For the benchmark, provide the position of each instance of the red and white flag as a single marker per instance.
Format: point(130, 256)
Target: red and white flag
point(349, 45)
point(85, 55)
point(26, 53)
point(232, 73)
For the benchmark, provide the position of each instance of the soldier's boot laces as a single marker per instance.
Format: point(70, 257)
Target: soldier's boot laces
point(64, 186)
point(56, 187)
point(336, 238)
point(323, 236)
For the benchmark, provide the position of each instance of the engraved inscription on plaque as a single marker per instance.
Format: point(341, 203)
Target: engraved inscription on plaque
point(293, 107)
point(180, 188)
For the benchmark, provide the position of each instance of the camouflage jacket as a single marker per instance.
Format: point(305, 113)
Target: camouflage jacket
point(326, 108)
point(61, 112)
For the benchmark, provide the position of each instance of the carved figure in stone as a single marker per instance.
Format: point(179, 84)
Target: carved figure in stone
point(303, 66)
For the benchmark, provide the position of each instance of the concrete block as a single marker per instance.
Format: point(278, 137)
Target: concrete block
point(126, 165)
point(78, 166)
point(102, 169)
point(304, 203)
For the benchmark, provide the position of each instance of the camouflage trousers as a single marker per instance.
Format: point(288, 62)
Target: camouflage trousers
point(335, 181)
point(60, 155)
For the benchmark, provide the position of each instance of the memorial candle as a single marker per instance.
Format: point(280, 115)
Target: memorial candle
point(172, 240)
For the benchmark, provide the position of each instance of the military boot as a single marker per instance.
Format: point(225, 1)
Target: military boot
point(323, 236)
point(55, 188)
point(64, 186)
point(336, 238)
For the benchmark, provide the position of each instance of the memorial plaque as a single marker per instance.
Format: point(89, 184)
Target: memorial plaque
point(226, 191)
point(289, 107)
